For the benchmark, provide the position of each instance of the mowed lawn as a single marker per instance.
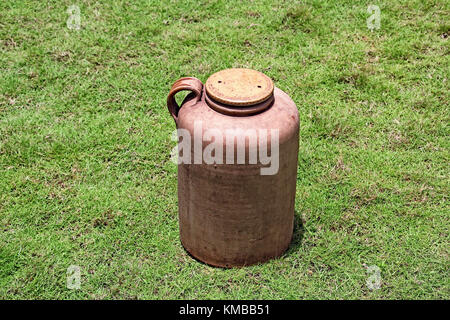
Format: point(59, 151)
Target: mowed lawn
point(85, 138)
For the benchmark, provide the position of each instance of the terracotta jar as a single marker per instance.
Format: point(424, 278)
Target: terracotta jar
point(235, 211)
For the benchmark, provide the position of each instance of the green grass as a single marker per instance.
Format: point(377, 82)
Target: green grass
point(85, 175)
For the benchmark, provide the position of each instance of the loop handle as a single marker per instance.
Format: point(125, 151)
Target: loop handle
point(188, 83)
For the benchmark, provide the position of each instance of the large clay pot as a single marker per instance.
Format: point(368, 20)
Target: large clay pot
point(235, 214)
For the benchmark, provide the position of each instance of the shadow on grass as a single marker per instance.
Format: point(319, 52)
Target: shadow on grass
point(297, 237)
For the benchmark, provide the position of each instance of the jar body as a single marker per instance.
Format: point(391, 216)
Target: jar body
point(234, 212)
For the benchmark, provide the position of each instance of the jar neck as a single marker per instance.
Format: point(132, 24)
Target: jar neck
point(238, 111)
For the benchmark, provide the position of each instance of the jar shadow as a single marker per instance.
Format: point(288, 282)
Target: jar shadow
point(297, 237)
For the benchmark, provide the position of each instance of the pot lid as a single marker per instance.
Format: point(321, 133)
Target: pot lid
point(239, 87)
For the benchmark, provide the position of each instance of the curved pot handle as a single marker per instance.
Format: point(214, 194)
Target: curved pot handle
point(189, 83)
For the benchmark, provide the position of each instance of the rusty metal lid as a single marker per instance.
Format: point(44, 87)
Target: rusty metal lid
point(239, 87)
